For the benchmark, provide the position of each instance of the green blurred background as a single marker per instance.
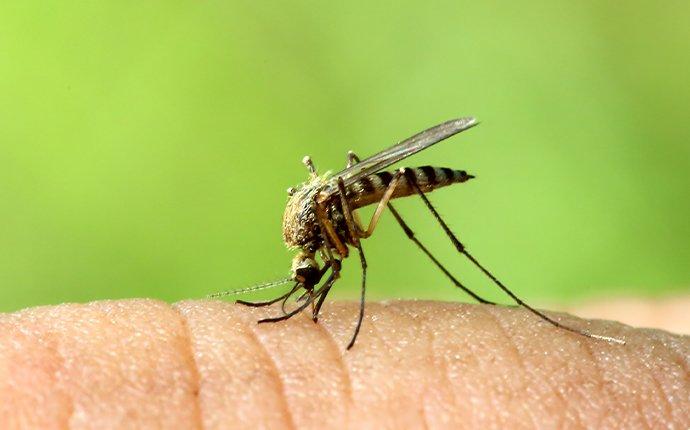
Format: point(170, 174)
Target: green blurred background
point(145, 147)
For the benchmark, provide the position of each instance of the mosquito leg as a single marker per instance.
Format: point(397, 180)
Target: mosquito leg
point(327, 265)
point(269, 302)
point(351, 217)
point(410, 234)
point(409, 175)
point(322, 297)
point(328, 230)
point(352, 228)
point(299, 309)
point(304, 296)
point(387, 195)
point(317, 309)
point(283, 304)
point(361, 298)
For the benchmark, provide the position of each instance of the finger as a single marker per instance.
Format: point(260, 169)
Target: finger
point(111, 364)
point(416, 363)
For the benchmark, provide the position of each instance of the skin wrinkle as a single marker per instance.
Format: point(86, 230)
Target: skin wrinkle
point(407, 313)
point(640, 412)
point(425, 419)
point(640, 408)
point(376, 333)
point(440, 362)
point(69, 396)
point(386, 306)
point(599, 376)
point(665, 395)
point(341, 363)
point(577, 413)
point(274, 367)
point(196, 383)
point(53, 346)
point(606, 385)
point(431, 337)
point(681, 358)
point(516, 354)
point(564, 403)
point(660, 391)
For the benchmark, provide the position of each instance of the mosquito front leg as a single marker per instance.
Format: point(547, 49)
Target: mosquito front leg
point(327, 229)
point(353, 228)
point(269, 302)
point(299, 309)
point(322, 298)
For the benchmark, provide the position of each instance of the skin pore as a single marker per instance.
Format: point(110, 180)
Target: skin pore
point(207, 364)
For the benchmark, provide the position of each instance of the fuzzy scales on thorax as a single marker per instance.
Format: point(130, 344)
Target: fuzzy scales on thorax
point(300, 226)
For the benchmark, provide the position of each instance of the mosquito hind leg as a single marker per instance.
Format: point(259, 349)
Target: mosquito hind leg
point(360, 317)
point(410, 177)
point(410, 235)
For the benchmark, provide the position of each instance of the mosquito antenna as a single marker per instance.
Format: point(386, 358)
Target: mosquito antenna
point(250, 289)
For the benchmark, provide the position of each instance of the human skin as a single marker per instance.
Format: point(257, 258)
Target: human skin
point(207, 364)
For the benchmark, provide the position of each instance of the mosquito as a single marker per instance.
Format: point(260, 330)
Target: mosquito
point(321, 222)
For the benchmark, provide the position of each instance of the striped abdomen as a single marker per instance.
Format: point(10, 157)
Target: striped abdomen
point(370, 189)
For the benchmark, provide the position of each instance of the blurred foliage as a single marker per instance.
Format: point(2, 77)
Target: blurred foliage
point(145, 147)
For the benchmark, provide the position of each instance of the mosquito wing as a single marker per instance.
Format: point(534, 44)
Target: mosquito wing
point(402, 150)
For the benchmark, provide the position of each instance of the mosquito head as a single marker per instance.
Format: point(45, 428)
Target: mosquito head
point(305, 269)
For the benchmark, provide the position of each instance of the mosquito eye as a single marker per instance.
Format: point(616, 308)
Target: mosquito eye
point(310, 275)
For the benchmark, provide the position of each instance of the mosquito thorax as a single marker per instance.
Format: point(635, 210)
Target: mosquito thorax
point(300, 227)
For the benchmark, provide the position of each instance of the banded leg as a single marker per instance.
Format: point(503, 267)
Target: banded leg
point(355, 232)
point(409, 176)
point(410, 235)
